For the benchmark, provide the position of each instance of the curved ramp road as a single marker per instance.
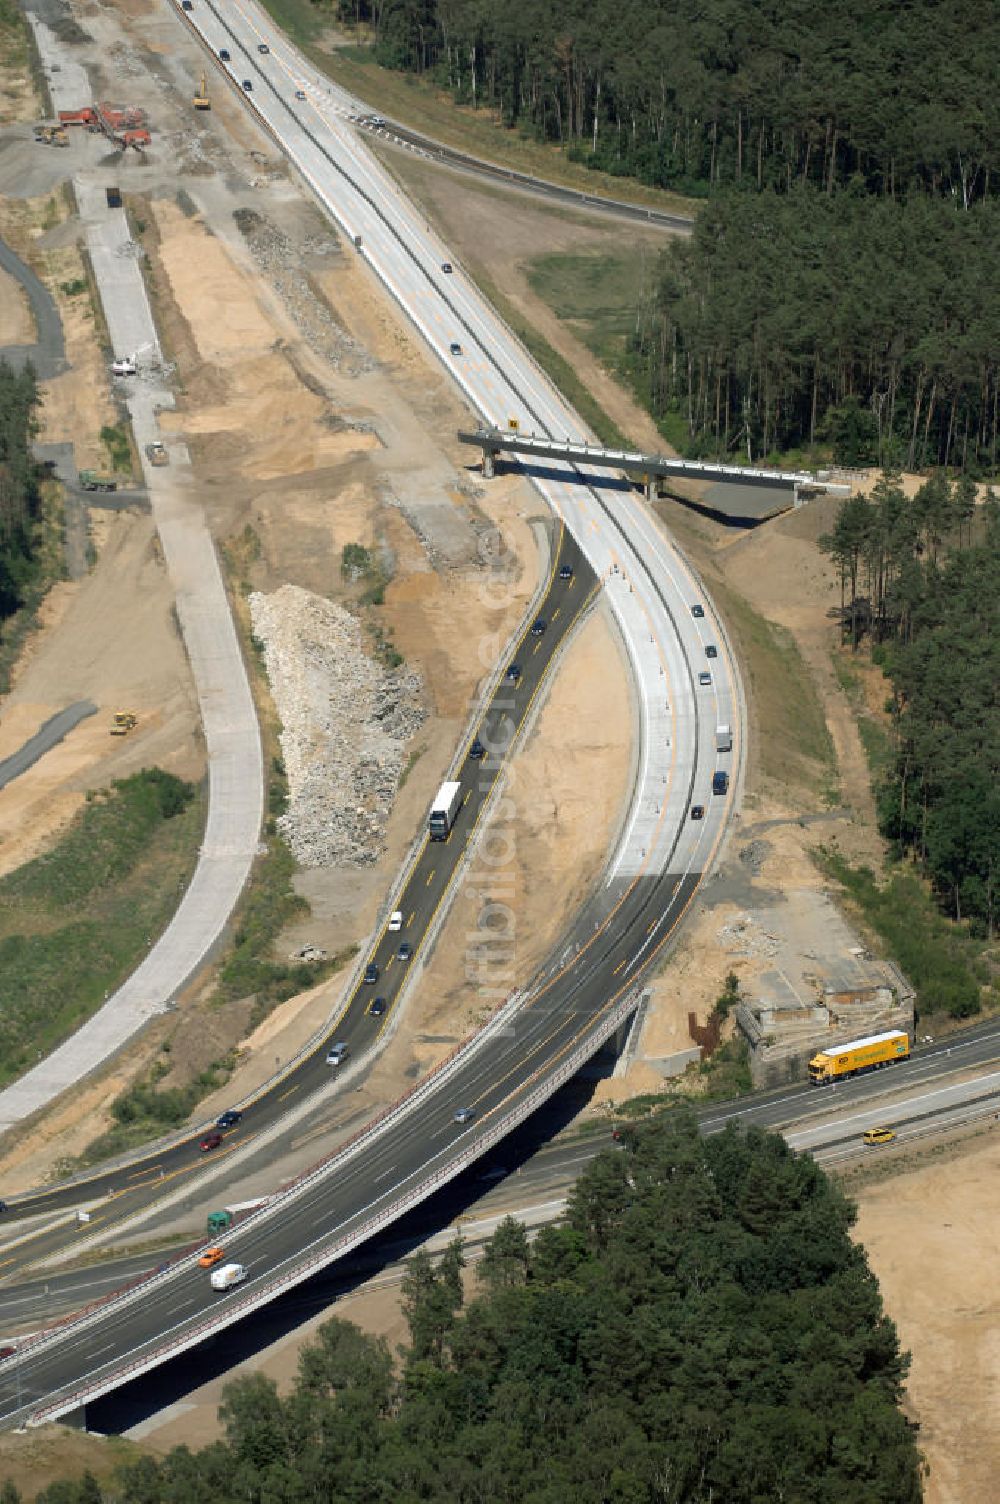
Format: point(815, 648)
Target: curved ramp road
point(48, 353)
point(648, 584)
point(460, 161)
point(235, 773)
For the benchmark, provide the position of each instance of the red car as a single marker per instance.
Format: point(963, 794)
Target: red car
point(210, 1141)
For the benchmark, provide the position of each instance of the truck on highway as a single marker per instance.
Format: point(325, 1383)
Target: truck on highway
point(228, 1276)
point(447, 803)
point(96, 480)
point(859, 1056)
point(723, 738)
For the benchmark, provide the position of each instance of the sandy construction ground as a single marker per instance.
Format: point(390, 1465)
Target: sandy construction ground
point(303, 455)
point(110, 638)
point(931, 1234)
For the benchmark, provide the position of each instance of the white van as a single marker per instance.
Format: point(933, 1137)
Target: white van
point(228, 1276)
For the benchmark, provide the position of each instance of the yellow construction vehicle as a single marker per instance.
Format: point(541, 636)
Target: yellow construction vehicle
point(200, 100)
point(124, 722)
point(51, 135)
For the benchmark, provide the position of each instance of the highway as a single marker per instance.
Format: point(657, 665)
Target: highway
point(940, 1088)
point(685, 684)
point(419, 898)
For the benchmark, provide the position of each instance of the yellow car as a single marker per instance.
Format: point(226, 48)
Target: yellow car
point(879, 1135)
point(211, 1256)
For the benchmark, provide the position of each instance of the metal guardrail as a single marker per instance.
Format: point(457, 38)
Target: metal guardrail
point(633, 461)
point(238, 1308)
point(291, 1188)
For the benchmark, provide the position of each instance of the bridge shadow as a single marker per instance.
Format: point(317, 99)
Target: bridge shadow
point(562, 471)
point(742, 506)
point(174, 1380)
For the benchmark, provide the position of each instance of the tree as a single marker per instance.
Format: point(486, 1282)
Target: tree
point(506, 1256)
point(343, 1358)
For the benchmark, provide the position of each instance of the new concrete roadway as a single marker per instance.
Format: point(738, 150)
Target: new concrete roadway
point(229, 721)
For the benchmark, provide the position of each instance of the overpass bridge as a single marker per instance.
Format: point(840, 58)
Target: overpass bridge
point(649, 468)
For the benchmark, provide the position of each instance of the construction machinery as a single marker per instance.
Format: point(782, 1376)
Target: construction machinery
point(124, 125)
point(138, 139)
point(156, 454)
point(200, 98)
point(51, 135)
point(87, 116)
point(124, 722)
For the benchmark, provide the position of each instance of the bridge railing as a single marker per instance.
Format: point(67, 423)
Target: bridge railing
point(301, 1270)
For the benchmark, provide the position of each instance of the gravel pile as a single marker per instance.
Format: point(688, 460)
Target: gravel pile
point(346, 722)
point(283, 261)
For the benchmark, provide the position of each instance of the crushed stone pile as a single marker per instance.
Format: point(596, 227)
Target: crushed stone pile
point(284, 263)
point(346, 723)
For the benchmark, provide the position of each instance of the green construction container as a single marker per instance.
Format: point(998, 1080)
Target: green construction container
point(95, 480)
point(219, 1222)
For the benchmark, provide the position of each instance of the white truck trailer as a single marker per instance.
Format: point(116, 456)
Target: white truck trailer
point(447, 803)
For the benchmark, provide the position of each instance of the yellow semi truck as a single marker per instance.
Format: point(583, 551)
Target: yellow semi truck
point(858, 1056)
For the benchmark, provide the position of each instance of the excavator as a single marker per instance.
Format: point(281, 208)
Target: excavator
point(200, 99)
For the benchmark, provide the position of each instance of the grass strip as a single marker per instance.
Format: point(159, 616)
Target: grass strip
point(77, 920)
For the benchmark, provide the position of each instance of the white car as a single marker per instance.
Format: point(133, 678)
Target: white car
point(126, 366)
point(395, 921)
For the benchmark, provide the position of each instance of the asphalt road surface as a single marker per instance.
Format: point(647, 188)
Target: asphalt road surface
point(419, 901)
point(48, 735)
point(460, 161)
point(48, 354)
